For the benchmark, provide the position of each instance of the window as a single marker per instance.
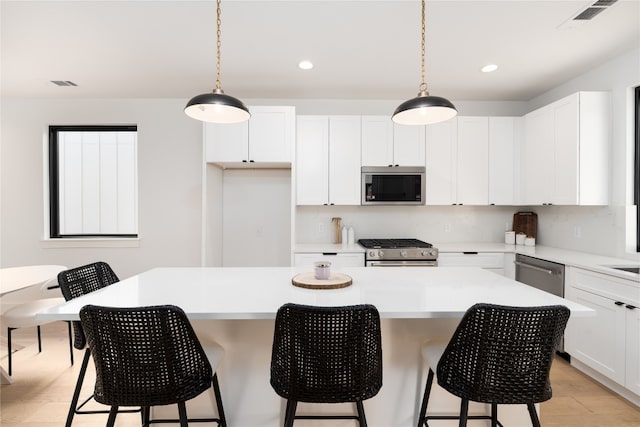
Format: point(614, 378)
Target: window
point(637, 168)
point(93, 181)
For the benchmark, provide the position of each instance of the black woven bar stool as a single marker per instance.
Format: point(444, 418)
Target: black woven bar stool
point(326, 355)
point(497, 355)
point(149, 356)
point(74, 283)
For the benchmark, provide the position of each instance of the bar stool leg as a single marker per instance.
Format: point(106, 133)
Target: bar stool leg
point(39, 339)
point(70, 342)
point(361, 418)
point(464, 410)
point(182, 410)
point(216, 392)
point(425, 399)
point(113, 412)
point(494, 415)
point(534, 415)
point(290, 413)
point(76, 392)
point(9, 348)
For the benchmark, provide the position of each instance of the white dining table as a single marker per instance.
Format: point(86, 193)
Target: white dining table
point(20, 279)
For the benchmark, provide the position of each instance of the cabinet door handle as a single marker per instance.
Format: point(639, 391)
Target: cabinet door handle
point(618, 303)
point(470, 253)
point(330, 253)
point(631, 307)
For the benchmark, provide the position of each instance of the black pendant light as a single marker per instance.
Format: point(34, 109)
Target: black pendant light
point(217, 107)
point(424, 109)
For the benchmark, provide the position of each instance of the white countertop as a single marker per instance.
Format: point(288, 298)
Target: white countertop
point(597, 263)
point(257, 293)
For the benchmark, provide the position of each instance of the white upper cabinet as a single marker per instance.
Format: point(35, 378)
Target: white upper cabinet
point(457, 158)
point(473, 161)
point(441, 162)
point(377, 141)
point(344, 160)
point(504, 149)
point(312, 160)
point(266, 140)
point(565, 155)
point(385, 143)
point(328, 160)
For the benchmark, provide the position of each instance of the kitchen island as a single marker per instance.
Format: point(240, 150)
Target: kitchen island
point(236, 308)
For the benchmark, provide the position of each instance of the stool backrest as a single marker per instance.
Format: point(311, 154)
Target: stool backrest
point(501, 354)
point(327, 354)
point(79, 281)
point(145, 356)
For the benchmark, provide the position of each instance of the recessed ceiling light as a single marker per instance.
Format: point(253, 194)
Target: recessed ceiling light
point(305, 65)
point(489, 68)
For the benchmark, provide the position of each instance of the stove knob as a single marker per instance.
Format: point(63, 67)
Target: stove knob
point(380, 254)
point(372, 254)
point(424, 253)
point(403, 253)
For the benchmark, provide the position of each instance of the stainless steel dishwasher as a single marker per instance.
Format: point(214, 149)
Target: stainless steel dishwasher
point(544, 275)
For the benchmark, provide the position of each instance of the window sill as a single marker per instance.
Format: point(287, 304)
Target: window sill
point(91, 243)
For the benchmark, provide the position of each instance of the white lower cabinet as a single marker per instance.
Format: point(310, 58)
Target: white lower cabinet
point(494, 262)
point(633, 350)
point(338, 260)
point(598, 341)
point(608, 342)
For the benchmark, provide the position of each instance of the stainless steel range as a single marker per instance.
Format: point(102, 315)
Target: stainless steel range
point(399, 253)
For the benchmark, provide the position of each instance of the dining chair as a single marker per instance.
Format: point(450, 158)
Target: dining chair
point(74, 283)
point(326, 355)
point(24, 316)
point(149, 356)
point(497, 355)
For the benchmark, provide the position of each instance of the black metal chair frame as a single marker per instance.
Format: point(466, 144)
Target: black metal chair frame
point(38, 331)
point(326, 355)
point(490, 343)
point(10, 361)
point(153, 357)
point(74, 283)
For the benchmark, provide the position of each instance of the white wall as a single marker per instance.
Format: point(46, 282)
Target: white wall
point(609, 230)
point(169, 176)
point(256, 217)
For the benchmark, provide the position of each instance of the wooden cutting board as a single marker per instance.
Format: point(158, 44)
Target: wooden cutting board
point(526, 222)
point(309, 281)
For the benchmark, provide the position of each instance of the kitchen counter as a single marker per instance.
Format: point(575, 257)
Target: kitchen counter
point(587, 261)
point(257, 293)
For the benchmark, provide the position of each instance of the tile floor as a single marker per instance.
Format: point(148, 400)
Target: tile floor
point(44, 383)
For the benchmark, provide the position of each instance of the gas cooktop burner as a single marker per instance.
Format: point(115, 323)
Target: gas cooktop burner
point(393, 243)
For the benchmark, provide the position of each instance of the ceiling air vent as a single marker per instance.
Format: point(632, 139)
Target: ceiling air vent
point(63, 83)
point(592, 11)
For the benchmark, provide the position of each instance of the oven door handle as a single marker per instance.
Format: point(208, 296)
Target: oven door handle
point(534, 267)
point(401, 264)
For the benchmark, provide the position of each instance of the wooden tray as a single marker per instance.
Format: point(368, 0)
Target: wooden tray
point(308, 280)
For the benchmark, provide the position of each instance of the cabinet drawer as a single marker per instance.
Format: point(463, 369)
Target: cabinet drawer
point(612, 287)
point(471, 259)
point(338, 260)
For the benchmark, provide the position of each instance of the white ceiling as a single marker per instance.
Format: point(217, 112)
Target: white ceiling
point(361, 49)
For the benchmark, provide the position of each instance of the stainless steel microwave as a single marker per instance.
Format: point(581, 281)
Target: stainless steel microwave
point(393, 185)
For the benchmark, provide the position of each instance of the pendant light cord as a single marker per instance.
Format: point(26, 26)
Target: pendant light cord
point(423, 85)
point(219, 43)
